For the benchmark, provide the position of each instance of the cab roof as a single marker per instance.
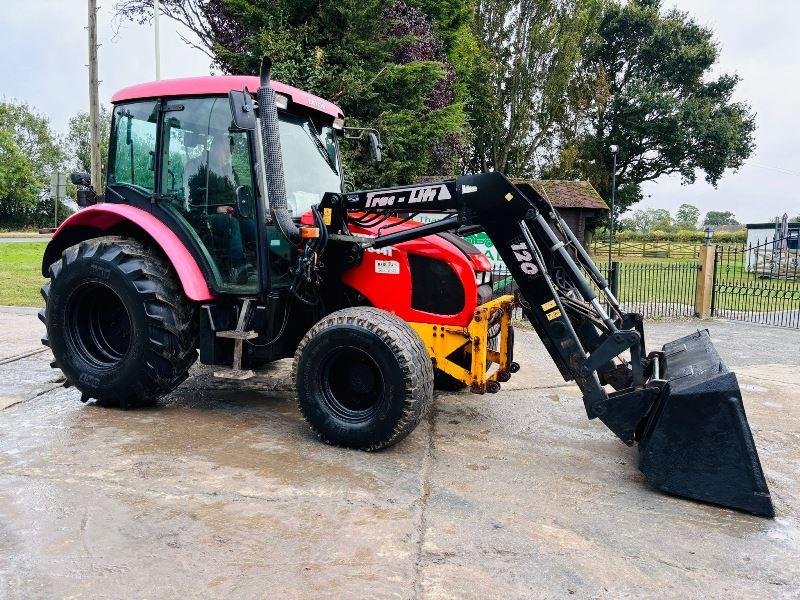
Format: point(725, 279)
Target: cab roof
point(221, 84)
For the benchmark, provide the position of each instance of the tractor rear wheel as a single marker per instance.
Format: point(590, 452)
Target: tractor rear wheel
point(118, 324)
point(364, 378)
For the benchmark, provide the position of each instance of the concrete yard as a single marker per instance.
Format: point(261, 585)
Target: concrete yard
point(222, 491)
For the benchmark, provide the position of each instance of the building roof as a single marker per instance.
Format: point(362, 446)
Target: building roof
point(770, 225)
point(221, 84)
point(567, 194)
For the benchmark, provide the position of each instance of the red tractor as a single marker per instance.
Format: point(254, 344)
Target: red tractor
point(225, 227)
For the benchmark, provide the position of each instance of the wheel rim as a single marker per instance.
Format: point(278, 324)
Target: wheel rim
point(352, 384)
point(99, 327)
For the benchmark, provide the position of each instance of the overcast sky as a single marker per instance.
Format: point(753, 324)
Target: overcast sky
point(44, 50)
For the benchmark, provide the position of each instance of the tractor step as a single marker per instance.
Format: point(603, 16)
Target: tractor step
point(238, 335)
point(235, 374)
point(233, 334)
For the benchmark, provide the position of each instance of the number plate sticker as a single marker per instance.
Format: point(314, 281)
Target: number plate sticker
point(524, 257)
point(388, 267)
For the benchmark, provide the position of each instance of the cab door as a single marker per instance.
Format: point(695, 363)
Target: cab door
point(208, 186)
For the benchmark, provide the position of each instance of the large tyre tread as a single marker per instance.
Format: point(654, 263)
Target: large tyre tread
point(407, 347)
point(171, 325)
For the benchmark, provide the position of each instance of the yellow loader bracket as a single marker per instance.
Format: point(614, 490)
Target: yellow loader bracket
point(442, 341)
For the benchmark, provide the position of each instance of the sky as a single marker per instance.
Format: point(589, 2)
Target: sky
point(45, 52)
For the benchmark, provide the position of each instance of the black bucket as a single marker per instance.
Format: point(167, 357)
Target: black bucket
point(697, 442)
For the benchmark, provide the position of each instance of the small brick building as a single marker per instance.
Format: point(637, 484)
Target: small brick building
point(576, 201)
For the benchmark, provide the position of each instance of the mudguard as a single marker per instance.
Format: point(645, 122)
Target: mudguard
point(106, 219)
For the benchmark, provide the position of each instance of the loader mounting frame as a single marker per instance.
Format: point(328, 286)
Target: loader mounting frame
point(442, 341)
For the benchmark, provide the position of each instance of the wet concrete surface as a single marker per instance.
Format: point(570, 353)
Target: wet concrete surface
point(221, 490)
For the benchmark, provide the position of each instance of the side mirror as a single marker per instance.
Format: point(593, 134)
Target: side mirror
point(81, 179)
point(357, 133)
point(375, 141)
point(242, 110)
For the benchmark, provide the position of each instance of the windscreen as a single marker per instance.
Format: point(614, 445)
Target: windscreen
point(309, 161)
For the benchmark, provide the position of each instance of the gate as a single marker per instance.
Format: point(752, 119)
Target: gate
point(759, 283)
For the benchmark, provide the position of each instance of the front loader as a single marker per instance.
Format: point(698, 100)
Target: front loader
point(233, 235)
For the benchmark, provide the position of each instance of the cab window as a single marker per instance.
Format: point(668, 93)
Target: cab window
point(133, 140)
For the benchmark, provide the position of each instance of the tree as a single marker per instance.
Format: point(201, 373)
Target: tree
point(687, 216)
point(389, 65)
point(652, 219)
point(647, 84)
point(78, 137)
point(716, 218)
point(29, 154)
point(528, 53)
point(627, 224)
point(662, 220)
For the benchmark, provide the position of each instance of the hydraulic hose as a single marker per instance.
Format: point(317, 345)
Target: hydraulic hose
point(273, 157)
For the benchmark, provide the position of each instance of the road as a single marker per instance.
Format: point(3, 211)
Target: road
point(17, 240)
point(221, 491)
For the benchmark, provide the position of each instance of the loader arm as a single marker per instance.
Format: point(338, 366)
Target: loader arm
point(519, 225)
point(717, 461)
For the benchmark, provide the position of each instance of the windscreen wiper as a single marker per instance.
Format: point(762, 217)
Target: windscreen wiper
point(312, 132)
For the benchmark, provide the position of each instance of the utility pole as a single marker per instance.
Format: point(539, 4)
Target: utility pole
point(156, 12)
point(94, 100)
point(614, 150)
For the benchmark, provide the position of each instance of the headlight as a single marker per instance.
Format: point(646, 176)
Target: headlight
point(483, 277)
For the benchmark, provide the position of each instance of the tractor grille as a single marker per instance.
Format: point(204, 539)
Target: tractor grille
point(435, 287)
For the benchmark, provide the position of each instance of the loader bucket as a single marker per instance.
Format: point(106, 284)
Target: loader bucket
point(697, 441)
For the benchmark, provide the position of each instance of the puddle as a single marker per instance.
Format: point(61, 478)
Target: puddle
point(753, 388)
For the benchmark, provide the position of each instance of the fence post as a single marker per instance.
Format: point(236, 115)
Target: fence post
point(705, 279)
point(613, 279)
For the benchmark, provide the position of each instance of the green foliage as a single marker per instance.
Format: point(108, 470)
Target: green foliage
point(528, 56)
point(78, 137)
point(686, 236)
point(540, 87)
point(647, 85)
point(716, 218)
point(29, 154)
point(651, 219)
point(388, 65)
point(687, 216)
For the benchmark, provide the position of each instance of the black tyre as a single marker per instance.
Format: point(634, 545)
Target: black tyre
point(118, 324)
point(447, 383)
point(364, 378)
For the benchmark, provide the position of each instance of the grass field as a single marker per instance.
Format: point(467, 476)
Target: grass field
point(20, 273)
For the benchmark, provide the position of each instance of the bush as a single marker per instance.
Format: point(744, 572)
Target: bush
point(730, 237)
point(685, 236)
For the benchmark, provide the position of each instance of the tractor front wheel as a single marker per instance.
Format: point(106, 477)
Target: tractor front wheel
point(364, 378)
point(118, 324)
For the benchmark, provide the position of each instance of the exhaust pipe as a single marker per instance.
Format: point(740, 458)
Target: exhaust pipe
point(273, 157)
